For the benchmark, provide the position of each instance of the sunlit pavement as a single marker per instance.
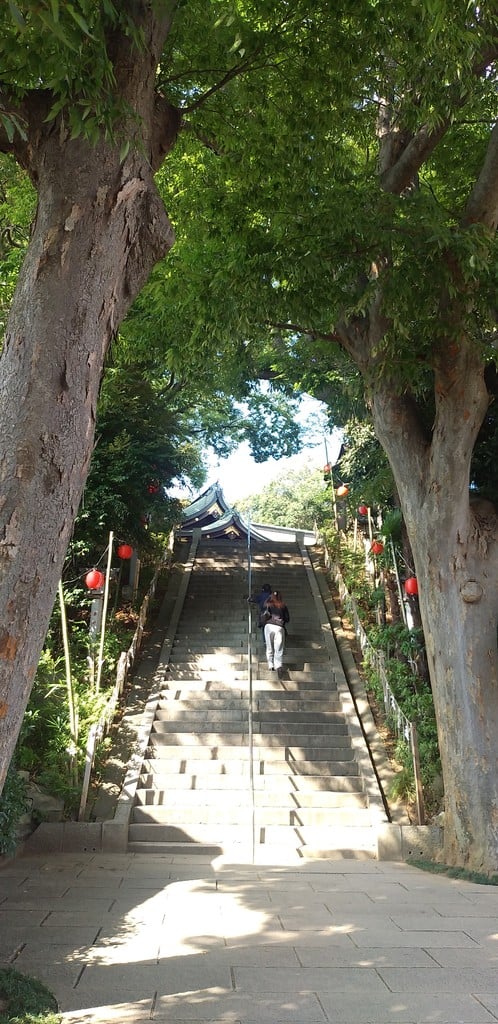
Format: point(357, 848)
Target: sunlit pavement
point(175, 939)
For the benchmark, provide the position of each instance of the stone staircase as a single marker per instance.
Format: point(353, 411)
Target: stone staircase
point(239, 761)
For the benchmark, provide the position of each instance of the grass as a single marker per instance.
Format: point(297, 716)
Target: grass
point(25, 1000)
point(462, 873)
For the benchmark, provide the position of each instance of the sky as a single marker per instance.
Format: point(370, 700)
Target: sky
point(239, 475)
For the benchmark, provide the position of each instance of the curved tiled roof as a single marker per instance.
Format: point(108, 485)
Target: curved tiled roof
point(211, 514)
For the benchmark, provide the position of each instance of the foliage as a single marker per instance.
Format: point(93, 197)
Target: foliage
point(13, 803)
point(400, 649)
point(295, 498)
point(17, 203)
point(392, 523)
point(364, 466)
point(476, 877)
point(140, 449)
point(45, 744)
point(402, 786)
point(25, 1000)
point(396, 638)
point(329, 203)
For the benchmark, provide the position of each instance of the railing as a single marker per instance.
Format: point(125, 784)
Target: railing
point(402, 727)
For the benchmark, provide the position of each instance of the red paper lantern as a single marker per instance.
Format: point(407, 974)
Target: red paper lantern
point(363, 510)
point(376, 547)
point(342, 491)
point(94, 579)
point(411, 586)
point(153, 486)
point(124, 551)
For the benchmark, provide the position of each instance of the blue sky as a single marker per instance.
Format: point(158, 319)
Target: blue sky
point(240, 475)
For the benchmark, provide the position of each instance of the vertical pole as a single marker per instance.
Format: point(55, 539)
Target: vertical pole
point(250, 702)
point(73, 714)
point(332, 488)
point(398, 582)
point(104, 612)
point(417, 773)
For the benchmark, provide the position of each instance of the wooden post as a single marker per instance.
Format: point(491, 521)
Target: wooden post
point(104, 613)
point(418, 778)
point(398, 583)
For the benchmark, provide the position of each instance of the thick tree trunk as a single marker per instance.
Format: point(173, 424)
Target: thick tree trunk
point(100, 228)
point(455, 550)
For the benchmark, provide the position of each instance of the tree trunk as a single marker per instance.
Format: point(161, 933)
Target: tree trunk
point(455, 550)
point(99, 230)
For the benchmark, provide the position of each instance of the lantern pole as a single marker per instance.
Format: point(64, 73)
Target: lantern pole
point(104, 613)
point(327, 463)
point(71, 699)
point(398, 583)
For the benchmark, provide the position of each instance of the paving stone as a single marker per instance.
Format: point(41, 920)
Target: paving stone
point(440, 979)
point(308, 979)
point(418, 1008)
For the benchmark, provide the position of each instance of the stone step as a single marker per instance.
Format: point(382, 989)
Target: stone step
point(162, 759)
point(269, 795)
point(308, 685)
point(262, 702)
point(204, 668)
point(245, 852)
point(264, 747)
point(198, 717)
point(186, 651)
point(288, 740)
point(178, 849)
point(198, 789)
point(346, 837)
point(277, 724)
point(282, 712)
point(213, 775)
point(242, 814)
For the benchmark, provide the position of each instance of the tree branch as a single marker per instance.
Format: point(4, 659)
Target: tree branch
point(401, 174)
point(482, 205)
point(233, 72)
point(310, 332)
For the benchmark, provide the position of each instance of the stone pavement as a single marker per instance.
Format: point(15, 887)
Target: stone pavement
point(131, 938)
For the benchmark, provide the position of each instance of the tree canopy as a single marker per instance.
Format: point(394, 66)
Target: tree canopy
point(331, 176)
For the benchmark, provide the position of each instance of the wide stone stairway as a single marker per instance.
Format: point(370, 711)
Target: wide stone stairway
point(237, 760)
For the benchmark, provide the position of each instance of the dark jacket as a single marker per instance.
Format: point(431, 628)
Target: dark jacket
point(278, 615)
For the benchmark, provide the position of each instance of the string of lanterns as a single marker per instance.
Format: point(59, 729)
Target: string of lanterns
point(376, 546)
point(95, 579)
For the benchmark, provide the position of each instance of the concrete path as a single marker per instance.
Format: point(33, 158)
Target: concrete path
point(129, 938)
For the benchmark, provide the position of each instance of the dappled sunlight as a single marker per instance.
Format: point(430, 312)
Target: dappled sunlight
point(184, 939)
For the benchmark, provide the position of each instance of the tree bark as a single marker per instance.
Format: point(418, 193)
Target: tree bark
point(454, 545)
point(100, 228)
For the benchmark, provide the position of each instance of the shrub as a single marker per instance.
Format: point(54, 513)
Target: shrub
point(25, 1000)
point(13, 803)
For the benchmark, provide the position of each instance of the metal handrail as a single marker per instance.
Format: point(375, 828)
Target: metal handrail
point(403, 726)
point(250, 690)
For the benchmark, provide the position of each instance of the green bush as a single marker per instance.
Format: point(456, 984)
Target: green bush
point(13, 803)
point(25, 1000)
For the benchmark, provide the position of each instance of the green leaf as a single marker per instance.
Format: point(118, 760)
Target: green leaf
point(8, 125)
point(79, 19)
point(16, 14)
point(235, 45)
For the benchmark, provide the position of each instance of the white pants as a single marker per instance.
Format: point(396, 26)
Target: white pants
point(274, 641)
